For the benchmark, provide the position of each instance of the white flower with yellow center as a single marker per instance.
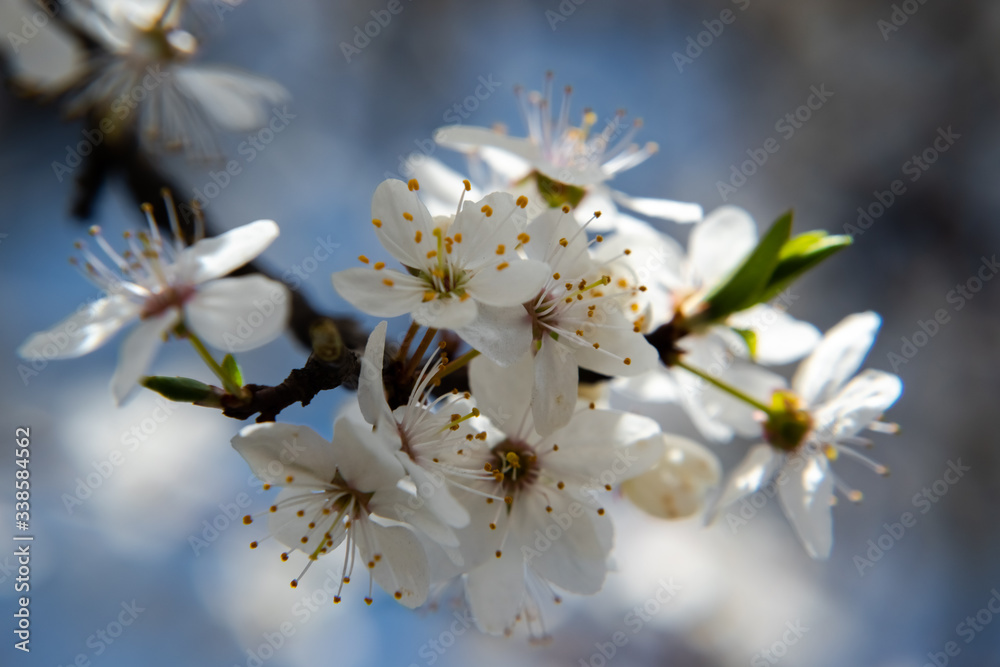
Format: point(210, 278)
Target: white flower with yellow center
point(452, 265)
point(163, 287)
point(815, 423)
point(541, 524)
point(337, 492)
point(566, 164)
point(676, 286)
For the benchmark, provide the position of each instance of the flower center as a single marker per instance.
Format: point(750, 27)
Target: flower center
point(788, 422)
point(170, 297)
point(514, 466)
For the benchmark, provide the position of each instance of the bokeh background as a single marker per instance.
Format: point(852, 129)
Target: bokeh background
point(739, 590)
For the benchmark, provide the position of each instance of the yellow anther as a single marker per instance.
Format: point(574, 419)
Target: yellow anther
point(376, 222)
point(487, 210)
point(467, 184)
point(388, 282)
point(378, 266)
point(502, 265)
point(362, 259)
point(501, 249)
point(418, 237)
point(522, 201)
point(408, 216)
point(413, 185)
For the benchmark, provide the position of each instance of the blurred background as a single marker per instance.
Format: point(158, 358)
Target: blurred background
point(153, 542)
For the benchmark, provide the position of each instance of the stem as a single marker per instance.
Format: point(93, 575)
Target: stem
point(206, 356)
point(732, 391)
point(405, 347)
point(458, 363)
point(419, 354)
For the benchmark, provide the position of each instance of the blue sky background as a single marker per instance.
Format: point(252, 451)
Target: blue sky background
point(131, 539)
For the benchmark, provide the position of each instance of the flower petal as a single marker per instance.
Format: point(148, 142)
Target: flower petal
point(392, 202)
point(858, 404)
point(218, 256)
point(366, 290)
point(780, 338)
point(468, 138)
point(836, 358)
point(596, 444)
point(664, 209)
point(440, 185)
point(502, 335)
point(617, 342)
point(232, 99)
point(720, 242)
point(503, 394)
point(82, 332)
point(371, 387)
point(450, 312)
point(495, 590)
point(237, 314)
point(278, 451)
point(806, 498)
point(679, 485)
point(556, 378)
point(571, 261)
point(137, 352)
point(753, 472)
point(400, 561)
point(521, 280)
point(363, 458)
point(289, 528)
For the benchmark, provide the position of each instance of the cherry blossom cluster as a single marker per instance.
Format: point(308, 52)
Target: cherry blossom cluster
point(483, 449)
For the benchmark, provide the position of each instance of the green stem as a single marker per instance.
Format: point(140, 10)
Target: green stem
point(458, 363)
point(732, 391)
point(206, 356)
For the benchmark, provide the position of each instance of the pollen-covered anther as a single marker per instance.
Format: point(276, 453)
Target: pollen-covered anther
point(563, 242)
point(368, 601)
point(522, 201)
point(253, 545)
point(499, 553)
point(600, 511)
point(376, 222)
point(628, 361)
point(289, 479)
point(266, 487)
point(284, 556)
point(502, 265)
point(493, 526)
point(412, 184)
point(388, 282)
point(487, 209)
point(467, 184)
point(408, 216)
point(501, 249)
point(398, 595)
point(565, 208)
point(362, 259)
point(247, 520)
point(560, 486)
point(272, 508)
point(418, 237)
point(294, 583)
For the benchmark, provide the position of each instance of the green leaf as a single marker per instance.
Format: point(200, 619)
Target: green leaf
point(800, 254)
point(744, 286)
point(750, 338)
point(182, 390)
point(232, 370)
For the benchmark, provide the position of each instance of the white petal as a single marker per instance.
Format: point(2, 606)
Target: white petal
point(520, 281)
point(393, 199)
point(665, 209)
point(556, 378)
point(363, 460)
point(468, 138)
point(371, 388)
point(859, 403)
point(720, 242)
point(503, 394)
point(495, 591)
point(220, 255)
point(836, 358)
point(439, 183)
point(502, 335)
point(781, 338)
point(617, 342)
point(655, 385)
point(277, 451)
point(402, 568)
point(365, 289)
point(576, 560)
point(599, 443)
point(137, 352)
point(482, 234)
point(571, 261)
point(753, 472)
point(234, 100)
point(680, 484)
point(806, 498)
point(82, 332)
point(433, 490)
point(237, 314)
point(450, 312)
point(289, 528)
